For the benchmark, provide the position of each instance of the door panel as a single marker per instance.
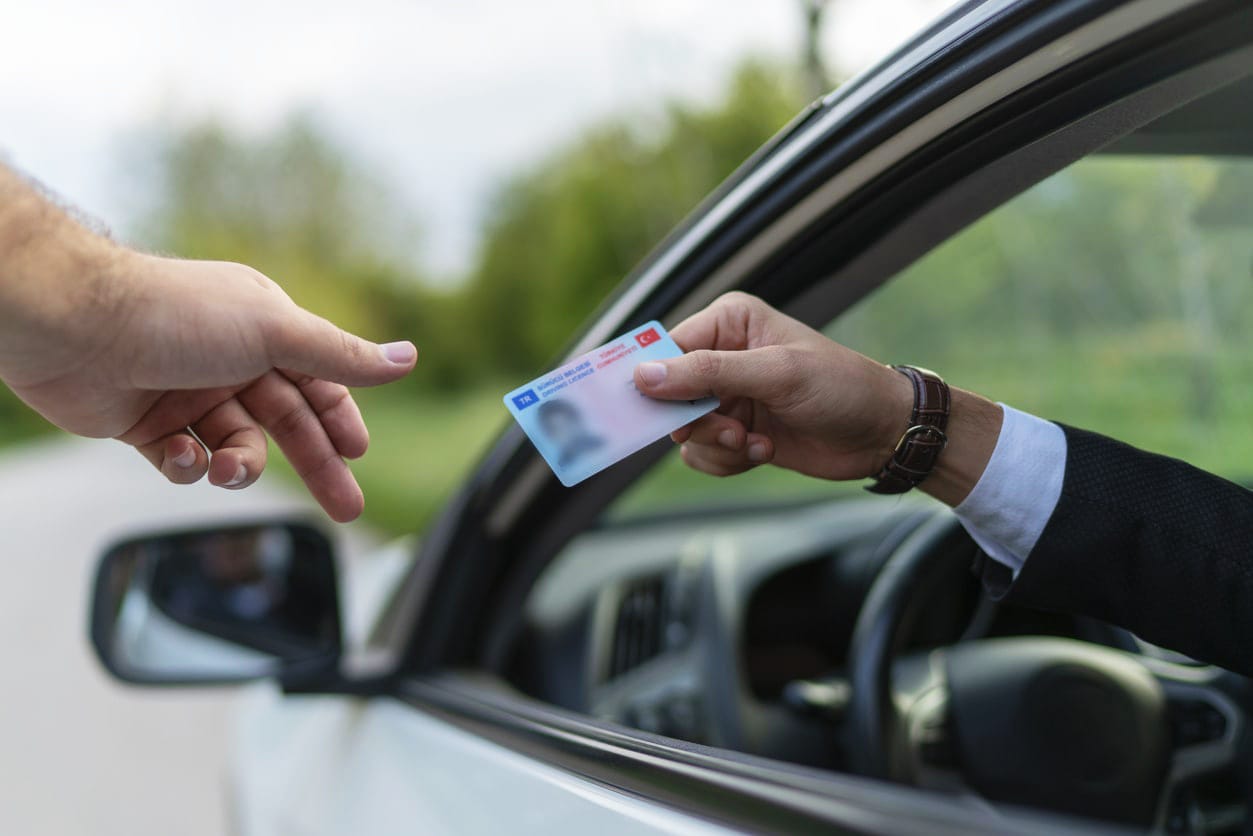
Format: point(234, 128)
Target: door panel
point(330, 765)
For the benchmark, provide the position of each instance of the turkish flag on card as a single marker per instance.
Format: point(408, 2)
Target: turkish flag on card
point(646, 338)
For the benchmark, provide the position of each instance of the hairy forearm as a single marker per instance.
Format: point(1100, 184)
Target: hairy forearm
point(53, 270)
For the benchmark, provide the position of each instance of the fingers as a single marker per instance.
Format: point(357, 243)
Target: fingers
point(316, 423)
point(736, 347)
point(179, 456)
point(237, 442)
point(723, 325)
point(714, 428)
point(174, 411)
point(283, 411)
point(718, 460)
point(310, 345)
point(162, 438)
point(720, 446)
point(759, 374)
point(338, 412)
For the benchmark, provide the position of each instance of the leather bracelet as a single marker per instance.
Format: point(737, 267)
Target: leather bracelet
point(923, 440)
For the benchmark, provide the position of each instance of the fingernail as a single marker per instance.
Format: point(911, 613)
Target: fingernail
point(757, 452)
point(652, 373)
point(401, 353)
point(238, 479)
point(186, 458)
point(727, 439)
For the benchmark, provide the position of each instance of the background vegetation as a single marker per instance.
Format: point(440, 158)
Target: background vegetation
point(1115, 295)
point(556, 239)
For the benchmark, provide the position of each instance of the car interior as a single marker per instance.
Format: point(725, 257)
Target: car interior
point(748, 614)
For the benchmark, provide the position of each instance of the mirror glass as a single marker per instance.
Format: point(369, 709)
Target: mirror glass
point(217, 605)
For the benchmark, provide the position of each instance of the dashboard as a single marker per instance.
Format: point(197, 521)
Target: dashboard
point(733, 628)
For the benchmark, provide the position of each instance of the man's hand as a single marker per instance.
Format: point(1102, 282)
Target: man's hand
point(190, 362)
point(795, 398)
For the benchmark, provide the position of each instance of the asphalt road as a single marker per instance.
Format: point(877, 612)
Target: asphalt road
point(80, 753)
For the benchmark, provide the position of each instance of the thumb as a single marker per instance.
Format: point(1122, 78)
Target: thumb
point(311, 345)
point(757, 373)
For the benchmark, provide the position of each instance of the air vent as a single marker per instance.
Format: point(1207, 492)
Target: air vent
point(639, 631)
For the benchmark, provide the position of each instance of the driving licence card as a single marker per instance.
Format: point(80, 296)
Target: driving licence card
point(587, 414)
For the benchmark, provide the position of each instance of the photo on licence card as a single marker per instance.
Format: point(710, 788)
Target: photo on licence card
point(587, 414)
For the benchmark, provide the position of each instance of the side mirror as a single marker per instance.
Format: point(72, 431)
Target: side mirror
point(219, 605)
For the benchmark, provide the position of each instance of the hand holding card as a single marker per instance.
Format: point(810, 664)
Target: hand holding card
point(587, 414)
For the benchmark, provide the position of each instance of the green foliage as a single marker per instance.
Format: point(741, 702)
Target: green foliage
point(1114, 296)
point(291, 204)
point(1109, 245)
point(558, 238)
point(563, 234)
point(18, 422)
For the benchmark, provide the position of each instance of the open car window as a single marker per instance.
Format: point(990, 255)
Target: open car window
point(1114, 296)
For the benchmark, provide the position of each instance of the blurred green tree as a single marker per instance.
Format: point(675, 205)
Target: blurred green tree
point(561, 235)
point(292, 204)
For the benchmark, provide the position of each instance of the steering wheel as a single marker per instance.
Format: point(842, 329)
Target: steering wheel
point(1049, 722)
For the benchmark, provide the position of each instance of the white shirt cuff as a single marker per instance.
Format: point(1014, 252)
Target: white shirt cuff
point(1018, 492)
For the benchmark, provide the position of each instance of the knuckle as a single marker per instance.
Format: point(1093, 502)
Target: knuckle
point(705, 363)
point(738, 311)
point(258, 452)
point(260, 279)
point(784, 363)
point(290, 422)
point(696, 456)
point(741, 306)
point(349, 345)
point(300, 379)
point(283, 333)
point(339, 398)
point(738, 298)
point(330, 460)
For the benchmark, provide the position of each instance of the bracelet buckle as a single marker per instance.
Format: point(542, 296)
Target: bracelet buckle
point(921, 444)
point(940, 438)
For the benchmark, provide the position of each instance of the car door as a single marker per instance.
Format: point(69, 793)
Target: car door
point(994, 98)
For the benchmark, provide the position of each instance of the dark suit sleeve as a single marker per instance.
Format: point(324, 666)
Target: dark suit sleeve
point(1149, 543)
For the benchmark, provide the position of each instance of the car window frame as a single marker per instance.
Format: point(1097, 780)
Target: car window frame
point(512, 511)
point(743, 792)
point(1029, 134)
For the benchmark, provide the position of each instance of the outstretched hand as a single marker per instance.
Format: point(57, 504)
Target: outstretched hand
point(788, 394)
point(193, 363)
point(795, 398)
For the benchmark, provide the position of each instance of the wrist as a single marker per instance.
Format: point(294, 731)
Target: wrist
point(56, 283)
point(974, 426)
point(946, 461)
point(896, 404)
